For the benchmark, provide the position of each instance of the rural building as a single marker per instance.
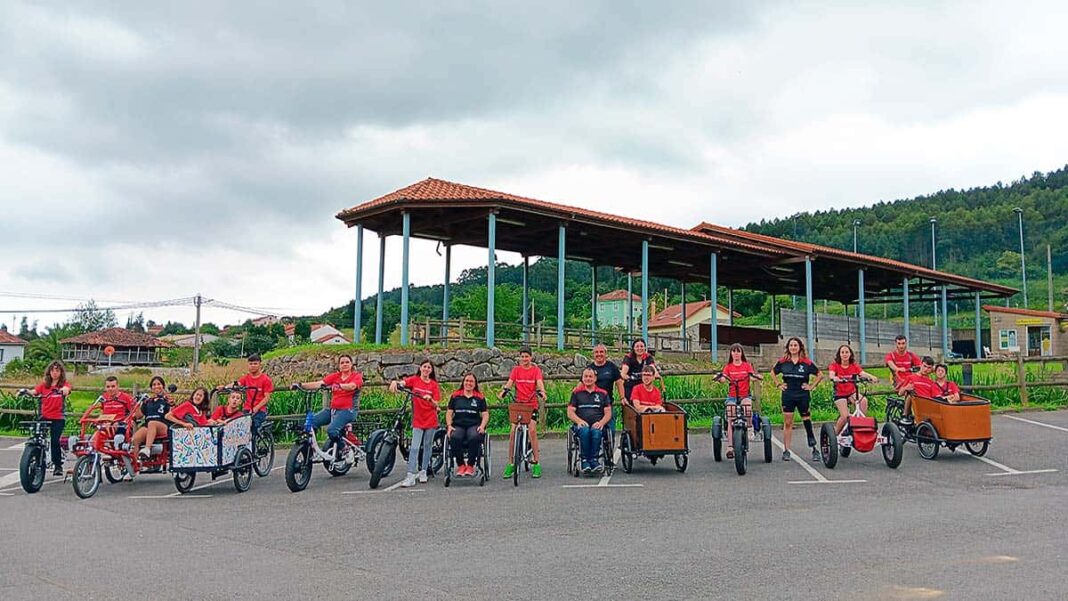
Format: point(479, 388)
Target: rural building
point(188, 340)
point(668, 323)
point(612, 309)
point(131, 348)
point(1032, 333)
point(11, 347)
point(324, 333)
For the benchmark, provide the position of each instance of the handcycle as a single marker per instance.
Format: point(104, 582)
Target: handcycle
point(522, 453)
point(939, 423)
point(860, 433)
point(741, 417)
point(217, 450)
point(36, 458)
point(654, 435)
point(383, 444)
point(262, 437)
point(482, 470)
point(306, 451)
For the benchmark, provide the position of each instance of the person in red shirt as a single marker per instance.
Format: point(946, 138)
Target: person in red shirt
point(345, 385)
point(115, 407)
point(259, 387)
point(234, 407)
point(529, 385)
point(426, 394)
point(843, 369)
point(646, 397)
point(737, 373)
point(919, 384)
point(53, 391)
point(947, 389)
point(901, 360)
point(194, 412)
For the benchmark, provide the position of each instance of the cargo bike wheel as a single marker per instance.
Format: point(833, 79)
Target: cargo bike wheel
point(243, 470)
point(183, 481)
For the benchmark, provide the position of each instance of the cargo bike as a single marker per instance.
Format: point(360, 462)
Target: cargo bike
point(654, 436)
point(939, 423)
point(218, 451)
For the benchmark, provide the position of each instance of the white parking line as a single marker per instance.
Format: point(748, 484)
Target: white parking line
point(607, 477)
point(1008, 471)
point(819, 478)
point(8, 480)
point(375, 492)
point(1031, 421)
point(46, 482)
point(15, 447)
point(603, 486)
point(174, 495)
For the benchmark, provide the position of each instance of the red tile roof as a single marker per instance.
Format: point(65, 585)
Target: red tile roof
point(672, 315)
point(119, 337)
point(7, 338)
point(1028, 312)
point(618, 295)
point(329, 336)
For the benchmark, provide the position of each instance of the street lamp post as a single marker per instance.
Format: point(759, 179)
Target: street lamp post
point(1023, 263)
point(934, 265)
point(856, 224)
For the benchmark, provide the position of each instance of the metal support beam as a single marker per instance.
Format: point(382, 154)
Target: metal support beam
point(713, 287)
point(945, 325)
point(406, 236)
point(978, 328)
point(593, 305)
point(630, 305)
point(730, 306)
point(905, 305)
point(860, 317)
point(445, 297)
point(645, 291)
point(491, 281)
point(810, 326)
point(561, 258)
point(357, 306)
point(526, 299)
point(381, 286)
point(683, 332)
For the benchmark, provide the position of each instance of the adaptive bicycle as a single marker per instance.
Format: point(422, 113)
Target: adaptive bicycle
point(306, 451)
point(740, 416)
point(861, 433)
point(36, 459)
point(383, 444)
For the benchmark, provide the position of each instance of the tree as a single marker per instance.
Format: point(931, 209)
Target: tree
point(136, 324)
point(302, 330)
point(209, 328)
point(1008, 263)
point(90, 318)
point(28, 332)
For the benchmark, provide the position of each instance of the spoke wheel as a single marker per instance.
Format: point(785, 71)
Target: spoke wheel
point(32, 468)
point(437, 452)
point(183, 481)
point(264, 453)
point(114, 472)
point(243, 470)
point(681, 461)
point(927, 441)
point(977, 448)
point(86, 479)
point(626, 453)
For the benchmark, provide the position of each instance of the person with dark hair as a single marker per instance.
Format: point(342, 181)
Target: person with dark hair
point(634, 363)
point(796, 370)
point(345, 385)
point(919, 383)
point(465, 421)
point(54, 390)
point(646, 397)
point(737, 373)
point(843, 369)
point(260, 388)
point(233, 408)
point(115, 407)
point(426, 394)
point(154, 411)
point(193, 412)
point(529, 385)
point(947, 389)
point(901, 360)
point(589, 410)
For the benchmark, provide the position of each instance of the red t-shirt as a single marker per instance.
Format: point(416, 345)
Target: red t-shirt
point(223, 412)
point(51, 401)
point(844, 389)
point(906, 362)
point(738, 376)
point(949, 389)
point(424, 412)
point(923, 386)
point(262, 382)
point(343, 399)
point(526, 383)
point(119, 405)
point(646, 397)
point(188, 412)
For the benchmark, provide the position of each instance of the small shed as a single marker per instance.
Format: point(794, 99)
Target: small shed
point(130, 348)
point(1027, 331)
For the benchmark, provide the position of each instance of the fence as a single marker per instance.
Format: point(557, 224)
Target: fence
point(877, 332)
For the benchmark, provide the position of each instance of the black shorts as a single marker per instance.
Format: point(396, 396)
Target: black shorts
point(852, 398)
point(798, 403)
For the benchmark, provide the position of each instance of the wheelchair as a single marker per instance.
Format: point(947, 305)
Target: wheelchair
point(574, 452)
point(482, 470)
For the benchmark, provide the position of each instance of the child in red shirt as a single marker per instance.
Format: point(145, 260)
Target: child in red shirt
point(233, 408)
point(193, 412)
point(844, 368)
point(645, 397)
point(529, 385)
point(425, 398)
point(947, 389)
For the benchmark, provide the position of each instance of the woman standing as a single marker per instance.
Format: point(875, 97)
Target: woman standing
point(53, 390)
point(796, 370)
point(426, 394)
point(634, 363)
point(466, 422)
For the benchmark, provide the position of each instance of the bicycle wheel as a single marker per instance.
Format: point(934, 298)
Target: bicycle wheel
point(386, 456)
point(299, 467)
point(242, 470)
point(927, 441)
point(829, 446)
point(264, 453)
point(86, 479)
point(437, 452)
point(717, 438)
point(32, 468)
point(183, 481)
point(740, 454)
point(518, 455)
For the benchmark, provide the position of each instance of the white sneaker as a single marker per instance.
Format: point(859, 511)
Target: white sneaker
point(409, 481)
point(422, 477)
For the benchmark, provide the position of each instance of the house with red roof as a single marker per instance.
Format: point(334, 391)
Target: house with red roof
point(668, 323)
point(11, 347)
point(127, 348)
point(612, 308)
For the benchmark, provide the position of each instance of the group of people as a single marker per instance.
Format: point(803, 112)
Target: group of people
point(590, 408)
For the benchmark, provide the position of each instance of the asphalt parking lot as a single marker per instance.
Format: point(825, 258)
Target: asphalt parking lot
point(953, 528)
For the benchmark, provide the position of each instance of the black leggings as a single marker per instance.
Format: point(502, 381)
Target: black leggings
point(466, 439)
point(55, 431)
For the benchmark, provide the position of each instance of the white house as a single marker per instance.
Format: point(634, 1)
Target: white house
point(11, 348)
point(324, 333)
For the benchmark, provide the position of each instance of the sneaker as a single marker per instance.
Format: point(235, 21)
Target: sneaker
point(422, 477)
point(144, 454)
point(596, 467)
point(730, 453)
point(906, 421)
point(786, 455)
point(816, 457)
point(585, 467)
point(409, 481)
point(469, 470)
point(509, 471)
point(535, 470)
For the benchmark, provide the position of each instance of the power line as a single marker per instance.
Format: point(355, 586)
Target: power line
point(188, 301)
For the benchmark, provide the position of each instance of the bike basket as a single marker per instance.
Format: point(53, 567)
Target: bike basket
point(864, 434)
point(520, 412)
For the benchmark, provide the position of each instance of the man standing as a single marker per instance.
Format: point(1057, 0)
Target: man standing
point(901, 360)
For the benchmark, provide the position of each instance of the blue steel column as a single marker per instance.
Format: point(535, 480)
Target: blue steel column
point(809, 325)
point(978, 328)
point(526, 300)
point(630, 305)
point(645, 291)
point(905, 305)
point(406, 234)
point(684, 340)
point(490, 280)
point(445, 297)
point(593, 305)
point(560, 260)
point(357, 307)
point(381, 287)
point(945, 325)
point(860, 317)
point(713, 286)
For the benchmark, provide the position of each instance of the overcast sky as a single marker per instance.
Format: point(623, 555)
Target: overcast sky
point(151, 153)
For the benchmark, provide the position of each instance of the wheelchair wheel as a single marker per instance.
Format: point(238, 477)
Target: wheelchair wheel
point(893, 449)
point(571, 453)
point(977, 448)
point(765, 428)
point(717, 438)
point(927, 441)
point(829, 446)
point(486, 457)
point(626, 453)
point(608, 449)
point(681, 461)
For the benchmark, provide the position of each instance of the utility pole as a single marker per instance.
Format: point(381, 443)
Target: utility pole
point(934, 265)
point(1023, 261)
point(196, 333)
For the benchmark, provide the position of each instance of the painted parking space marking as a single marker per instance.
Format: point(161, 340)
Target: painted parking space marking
point(1008, 471)
point(378, 492)
point(15, 489)
point(176, 494)
point(606, 479)
point(1031, 421)
point(8, 480)
point(15, 447)
point(819, 478)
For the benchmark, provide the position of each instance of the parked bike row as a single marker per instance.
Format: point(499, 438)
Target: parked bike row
point(121, 437)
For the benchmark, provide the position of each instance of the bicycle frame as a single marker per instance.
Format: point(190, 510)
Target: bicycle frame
point(845, 437)
point(308, 434)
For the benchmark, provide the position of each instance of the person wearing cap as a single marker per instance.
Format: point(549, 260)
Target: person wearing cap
point(529, 384)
